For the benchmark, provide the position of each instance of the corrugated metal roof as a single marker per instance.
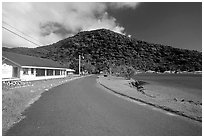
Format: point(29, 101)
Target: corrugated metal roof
point(25, 60)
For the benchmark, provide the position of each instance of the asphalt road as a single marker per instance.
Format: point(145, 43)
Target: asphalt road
point(83, 107)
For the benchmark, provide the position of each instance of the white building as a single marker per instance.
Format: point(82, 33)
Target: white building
point(27, 68)
point(150, 71)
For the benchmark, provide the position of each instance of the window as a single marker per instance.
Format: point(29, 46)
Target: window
point(40, 72)
point(25, 71)
point(57, 72)
point(49, 72)
point(32, 71)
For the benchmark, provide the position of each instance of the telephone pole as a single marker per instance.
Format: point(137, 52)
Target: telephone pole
point(79, 64)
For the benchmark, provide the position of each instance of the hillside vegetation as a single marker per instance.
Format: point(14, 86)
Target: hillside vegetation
point(103, 48)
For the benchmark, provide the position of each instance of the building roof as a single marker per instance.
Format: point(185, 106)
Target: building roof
point(71, 70)
point(24, 60)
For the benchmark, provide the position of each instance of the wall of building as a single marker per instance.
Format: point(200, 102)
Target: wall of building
point(7, 71)
point(26, 77)
point(70, 72)
point(30, 77)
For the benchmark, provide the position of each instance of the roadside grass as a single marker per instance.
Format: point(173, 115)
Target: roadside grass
point(178, 104)
point(14, 102)
point(16, 99)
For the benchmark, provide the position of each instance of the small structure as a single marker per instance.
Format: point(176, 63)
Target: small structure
point(150, 71)
point(198, 72)
point(70, 71)
point(27, 68)
point(167, 71)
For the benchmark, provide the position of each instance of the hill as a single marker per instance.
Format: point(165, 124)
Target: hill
point(103, 48)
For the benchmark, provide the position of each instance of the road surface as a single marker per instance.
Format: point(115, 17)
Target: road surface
point(83, 107)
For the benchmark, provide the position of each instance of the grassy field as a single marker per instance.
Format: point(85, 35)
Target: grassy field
point(168, 98)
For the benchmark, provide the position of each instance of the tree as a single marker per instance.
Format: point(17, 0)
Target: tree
point(129, 72)
point(124, 71)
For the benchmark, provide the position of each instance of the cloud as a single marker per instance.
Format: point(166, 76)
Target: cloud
point(54, 27)
point(50, 22)
point(119, 5)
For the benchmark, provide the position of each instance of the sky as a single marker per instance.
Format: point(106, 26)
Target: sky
point(174, 24)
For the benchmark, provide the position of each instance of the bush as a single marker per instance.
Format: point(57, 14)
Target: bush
point(138, 84)
point(130, 71)
point(124, 71)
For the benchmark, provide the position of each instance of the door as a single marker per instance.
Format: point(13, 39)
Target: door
point(15, 72)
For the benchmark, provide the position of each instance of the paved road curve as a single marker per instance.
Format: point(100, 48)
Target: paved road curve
point(83, 107)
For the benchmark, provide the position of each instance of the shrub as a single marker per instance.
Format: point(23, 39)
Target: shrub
point(138, 84)
point(129, 72)
point(124, 70)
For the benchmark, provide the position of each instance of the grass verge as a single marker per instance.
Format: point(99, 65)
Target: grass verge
point(16, 99)
point(183, 108)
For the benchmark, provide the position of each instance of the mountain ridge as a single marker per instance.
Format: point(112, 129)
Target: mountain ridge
point(102, 48)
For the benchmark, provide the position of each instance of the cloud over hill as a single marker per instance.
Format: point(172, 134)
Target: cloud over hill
point(51, 22)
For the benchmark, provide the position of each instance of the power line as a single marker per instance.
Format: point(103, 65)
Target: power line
point(21, 32)
point(20, 36)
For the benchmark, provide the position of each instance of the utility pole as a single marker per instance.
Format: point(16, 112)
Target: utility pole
point(79, 64)
point(110, 71)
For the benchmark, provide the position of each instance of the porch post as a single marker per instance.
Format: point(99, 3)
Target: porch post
point(45, 72)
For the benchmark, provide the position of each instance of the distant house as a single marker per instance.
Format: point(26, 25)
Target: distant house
point(169, 71)
point(150, 71)
point(198, 72)
point(70, 71)
point(27, 68)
